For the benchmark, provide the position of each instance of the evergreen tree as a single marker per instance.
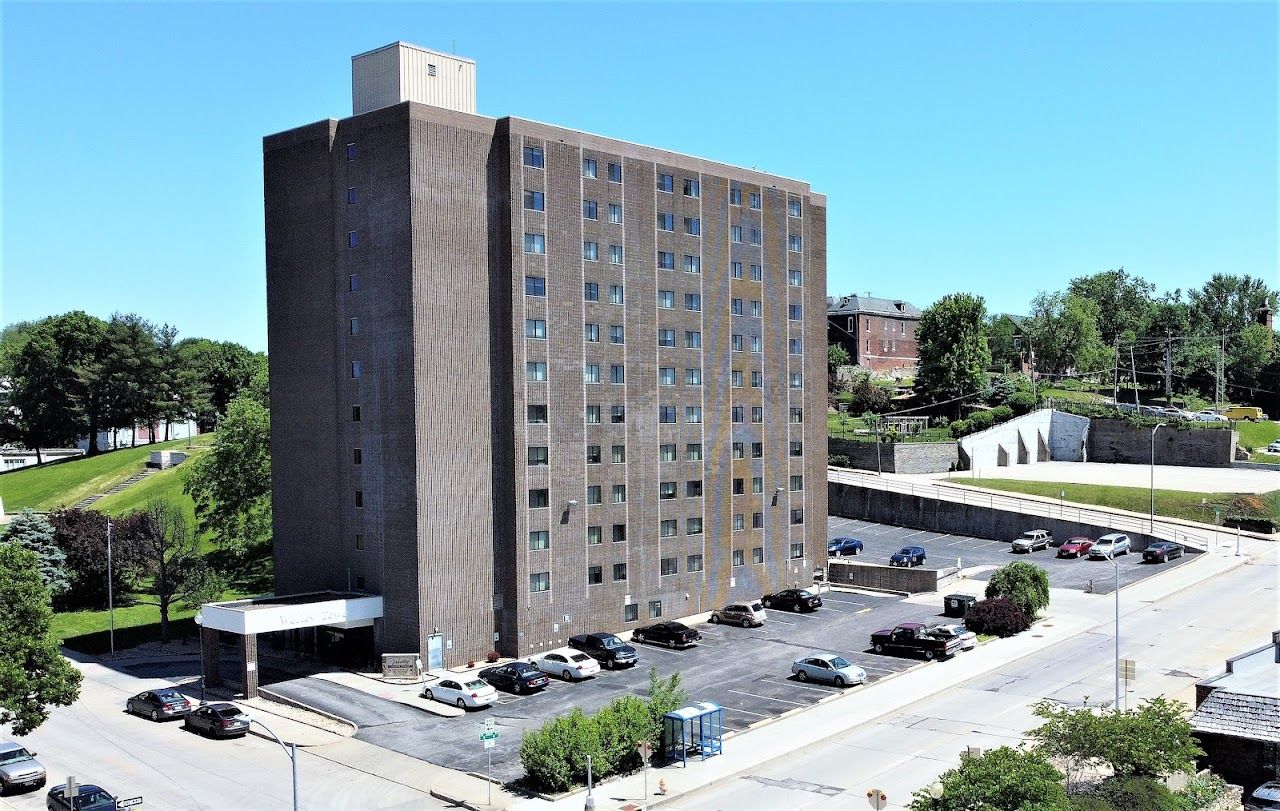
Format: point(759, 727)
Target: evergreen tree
point(34, 533)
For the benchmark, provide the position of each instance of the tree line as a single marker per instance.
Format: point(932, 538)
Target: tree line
point(73, 375)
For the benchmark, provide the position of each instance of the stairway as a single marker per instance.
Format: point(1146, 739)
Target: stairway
point(85, 503)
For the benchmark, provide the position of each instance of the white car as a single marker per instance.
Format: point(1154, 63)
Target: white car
point(474, 693)
point(1208, 415)
point(1273, 448)
point(828, 667)
point(566, 663)
point(1110, 546)
point(968, 639)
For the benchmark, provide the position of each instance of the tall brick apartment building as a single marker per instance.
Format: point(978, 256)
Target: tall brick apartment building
point(878, 333)
point(528, 382)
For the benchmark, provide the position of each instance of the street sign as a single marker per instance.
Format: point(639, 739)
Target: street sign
point(71, 790)
point(489, 735)
point(1128, 670)
point(645, 749)
point(129, 803)
point(489, 724)
point(877, 798)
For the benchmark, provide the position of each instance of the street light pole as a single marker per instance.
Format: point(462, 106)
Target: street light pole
point(1153, 475)
point(111, 602)
point(291, 750)
point(1112, 557)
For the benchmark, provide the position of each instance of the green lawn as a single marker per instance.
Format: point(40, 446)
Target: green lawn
point(78, 623)
point(165, 485)
point(1172, 503)
point(1258, 435)
point(65, 483)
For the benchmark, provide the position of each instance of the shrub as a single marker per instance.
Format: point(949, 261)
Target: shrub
point(982, 420)
point(1026, 584)
point(1002, 778)
point(554, 757)
point(1203, 790)
point(1021, 402)
point(492, 656)
point(620, 724)
point(997, 617)
point(837, 460)
point(999, 390)
point(959, 428)
point(1140, 794)
point(1002, 413)
point(941, 421)
point(1088, 802)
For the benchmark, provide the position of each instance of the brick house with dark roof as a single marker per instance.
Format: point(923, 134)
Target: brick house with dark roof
point(1237, 718)
point(878, 333)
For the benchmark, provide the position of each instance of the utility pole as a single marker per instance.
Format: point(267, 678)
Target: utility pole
point(1168, 368)
point(1133, 370)
point(1220, 390)
point(1115, 397)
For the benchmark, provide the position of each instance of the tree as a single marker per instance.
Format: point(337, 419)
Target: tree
point(1227, 304)
point(82, 536)
point(231, 482)
point(131, 372)
point(1002, 779)
point(952, 348)
point(168, 552)
point(1025, 584)
point(1071, 737)
point(1000, 337)
point(1153, 740)
point(55, 395)
point(35, 534)
point(1064, 334)
point(210, 374)
point(837, 356)
point(33, 675)
point(1122, 298)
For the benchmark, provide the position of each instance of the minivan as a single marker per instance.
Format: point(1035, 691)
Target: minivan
point(1251, 413)
point(745, 614)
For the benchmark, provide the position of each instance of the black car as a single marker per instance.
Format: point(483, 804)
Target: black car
point(1161, 552)
point(792, 600)
point(517, 677)
point(908, 556)
point(607, 649)
point(671, 634)
point(159, 704)
point(220, 720)
point(88, 798)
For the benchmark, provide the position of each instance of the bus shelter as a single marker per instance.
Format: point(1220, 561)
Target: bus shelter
point(694, 730)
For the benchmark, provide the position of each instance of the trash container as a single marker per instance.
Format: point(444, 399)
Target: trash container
point(957, 605)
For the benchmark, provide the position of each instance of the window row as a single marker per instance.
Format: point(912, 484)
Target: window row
point(537, 285)
point(537, 415)
point(536, 243)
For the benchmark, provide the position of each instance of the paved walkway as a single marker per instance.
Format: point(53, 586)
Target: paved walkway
point(1168, 477)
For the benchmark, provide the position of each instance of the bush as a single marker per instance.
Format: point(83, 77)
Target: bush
point(959, 428)
point(1026, 584)
point(837, 460)
point(1088, 802)
point(1203, 790)
point(1002, 413)
point(999, 390)
point(620, 724)
point(982, 420)
point(1002, 778)
point(997, 617)
point(554, 757)
point(1140, 794)
point(1021, 402)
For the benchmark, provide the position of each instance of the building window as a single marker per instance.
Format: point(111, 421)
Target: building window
point(593, 494)
point(693, 226)
point(735, 342)
point(595, 575)
point(757, 274)
point(739, 487)
point(757, 554)
point(693, 488)
point(353, 326)
point(589, 167)
point(589, 210)
point(357, 456)
point(735, 306)
point(692, 339)
point(757, 414)
point(757, 308)
point(666, 376)
point(619, 454)
point(797, 380)
point(591, 373)
point(739, 450)
point(755, 236)
point(540, 581)
point(797, 414)
point(739, 522)
point(692, 188)
point(620, 573)
point(667, 415)
point(693, 377)
point(739, 559)
point(619, 494)
point(797, 483)
point(615, 173)
point(735, 270)
point(735, 233)
point(667, 299)
point(755, 199)
point(535, 243)
point(757, 520)
point(352, 196)
point(757, 450)
point(797, 516)
point(533, 156)
point(693, 302)
point(693, 452)
point(594, 535)
point(794, 243)
point(591, 291)
point(757, 484)
point(593, 454)
point(352, 152)
point(757, 379)
point(693, 563)
point(667, 490)
point(615, 254)
point(535, 328)
point(535, 286)
point(356, 369)
point(539, 497)
point(667, 453)
point(692, 264)
point(795, 278)
point(630, 612)
point(615, 213)
point(665, 183)
point(534, 200)
point(737, 414)
point(590, 251)
point(797, 449)
point(666, 337)
point(793, 208)
point(668, 567)
point(616, 334)
point(655, 609)
point(693, 526)
point(353, 283)
point(618, 414)
point(795, 346)
point(537, 455)
point(666, 222)
point(666, 260)
point(359, 541)
point(591, 333)
point(669, 528)
point(795, 312)
point(693, 415)
point(355, 413)
point(539, 539)
point(619, 533)
point(735, 196)
point(353, 239)
point(797, 551)
point(736, 378)
point(615, 294)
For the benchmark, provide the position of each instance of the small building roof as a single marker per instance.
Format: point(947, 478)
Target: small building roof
point(1019, 321)
point(1241, 715)
point(853, 304)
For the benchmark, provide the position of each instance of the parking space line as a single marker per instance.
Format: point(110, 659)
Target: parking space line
point(806, 686)
point(770, 698)
point(917, 532)
point(863, 611)
point(962, 540)
point(772, 620)
point(664, 650)
point(748, 712)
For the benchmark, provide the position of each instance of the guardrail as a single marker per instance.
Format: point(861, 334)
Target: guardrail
point(1121, 521)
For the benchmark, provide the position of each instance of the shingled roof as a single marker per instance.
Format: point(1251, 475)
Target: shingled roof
point(853, 304)
point(1240, 715)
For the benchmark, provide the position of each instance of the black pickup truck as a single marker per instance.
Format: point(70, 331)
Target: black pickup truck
point(913, 637)
point(607, 649)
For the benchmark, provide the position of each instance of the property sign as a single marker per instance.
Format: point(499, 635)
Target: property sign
point(129, 803)
point(401, 666)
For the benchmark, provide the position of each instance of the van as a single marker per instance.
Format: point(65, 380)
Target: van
point(1251, 413)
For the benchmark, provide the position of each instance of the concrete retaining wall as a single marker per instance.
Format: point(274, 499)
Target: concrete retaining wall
point(901, 457)
point(921, 512)
point(1068, 434)
point(889, 578)
point(1122, 442)
point(1020, 441)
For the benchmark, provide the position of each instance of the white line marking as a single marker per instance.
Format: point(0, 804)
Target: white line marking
point(917, 532)
point(821, 688)
point(772, 620)
point(748, 712)
point(770, 698)
point(962, 540)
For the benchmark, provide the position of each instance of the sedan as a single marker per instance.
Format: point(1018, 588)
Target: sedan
point(828, 667)
point(518, 677)
point(908, 556)
point(1209, 415)
point(671, 634)
point(1076, 547)
point(837, 547)
point(159, 704)
point(792, 600)
point(219, 720)
point(471, 694)
point(566, 663)
point(88, 798)
point(19, 768)
point(1161, 552)
point(1273, 448)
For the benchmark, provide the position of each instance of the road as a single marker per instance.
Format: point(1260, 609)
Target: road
point(1175, 641)
point(174, 770)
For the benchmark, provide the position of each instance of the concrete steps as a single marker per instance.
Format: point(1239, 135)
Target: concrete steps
point(86, 503)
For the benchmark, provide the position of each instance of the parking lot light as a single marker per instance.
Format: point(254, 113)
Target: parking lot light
point(1153, 475)
point(291, 750)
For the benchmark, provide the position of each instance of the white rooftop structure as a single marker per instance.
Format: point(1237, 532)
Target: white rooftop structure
point(403, 72)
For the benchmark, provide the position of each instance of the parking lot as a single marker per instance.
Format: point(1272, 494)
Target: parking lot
point(944, 549)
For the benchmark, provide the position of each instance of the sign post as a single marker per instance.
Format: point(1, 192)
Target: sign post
point(490, 739)
point(1128, 672)
point(878, 799)
point(646, 751)
point(129, 803)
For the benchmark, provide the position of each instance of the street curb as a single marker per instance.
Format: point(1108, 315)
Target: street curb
point(290, 702)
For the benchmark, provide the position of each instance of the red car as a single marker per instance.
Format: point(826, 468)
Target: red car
point(1076, 547)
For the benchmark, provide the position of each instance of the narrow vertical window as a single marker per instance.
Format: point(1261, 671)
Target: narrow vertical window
point(352, 196)
point(352, 152)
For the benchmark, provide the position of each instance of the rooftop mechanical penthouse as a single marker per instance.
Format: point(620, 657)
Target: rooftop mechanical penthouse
point(529, 382)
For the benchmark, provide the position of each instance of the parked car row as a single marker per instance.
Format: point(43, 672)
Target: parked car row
point(906, 556)
point(1228, 414)
point(1111, 545)
point(217, 719)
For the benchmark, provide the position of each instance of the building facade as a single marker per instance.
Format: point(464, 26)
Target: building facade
point(879, 334)
point(529, 382)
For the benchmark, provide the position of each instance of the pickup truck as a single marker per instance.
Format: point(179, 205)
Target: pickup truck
point(607, 649)
point(913, 637)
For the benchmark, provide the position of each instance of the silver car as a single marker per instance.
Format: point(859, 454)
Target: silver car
point(19, 768)
point(1032, 539)
point(1112, 545)
point(828, 667)
point(745, 614)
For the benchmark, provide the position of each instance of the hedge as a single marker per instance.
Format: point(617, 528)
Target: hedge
point(999, 616)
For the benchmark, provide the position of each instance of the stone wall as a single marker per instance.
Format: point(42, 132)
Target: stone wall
point(889, 578)
point(1122, 442)
point(900, 457)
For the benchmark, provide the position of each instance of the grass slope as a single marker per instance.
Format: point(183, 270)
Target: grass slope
point(1173, 503)
point(166, 485)
point(64, 483)
point(1258, 435)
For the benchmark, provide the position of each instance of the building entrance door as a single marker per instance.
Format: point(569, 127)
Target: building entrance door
point(435, 652)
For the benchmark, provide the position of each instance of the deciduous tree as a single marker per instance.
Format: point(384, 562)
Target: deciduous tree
point(169, 553)
point(1025, 584)
point(1002, 779)
point(953, 350)
point(231, 482)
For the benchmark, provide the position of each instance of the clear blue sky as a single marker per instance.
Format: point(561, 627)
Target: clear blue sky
point(1000, 148)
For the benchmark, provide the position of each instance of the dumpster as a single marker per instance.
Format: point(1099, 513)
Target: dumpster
point(957, 605)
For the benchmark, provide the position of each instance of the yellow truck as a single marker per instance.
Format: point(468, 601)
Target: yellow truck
point(1251, 413)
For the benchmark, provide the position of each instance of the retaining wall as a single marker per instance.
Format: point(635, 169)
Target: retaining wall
point(899, 457)
point(1068, 435)
point(889, 578)
point(1122, 442)
point(1020, 441)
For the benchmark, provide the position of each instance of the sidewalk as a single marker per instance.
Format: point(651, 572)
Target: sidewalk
point(1071, 613)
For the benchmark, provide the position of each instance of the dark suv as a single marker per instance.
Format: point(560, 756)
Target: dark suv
point(607, 649)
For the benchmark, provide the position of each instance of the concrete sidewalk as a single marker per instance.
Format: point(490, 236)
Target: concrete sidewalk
point(1071, 613)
